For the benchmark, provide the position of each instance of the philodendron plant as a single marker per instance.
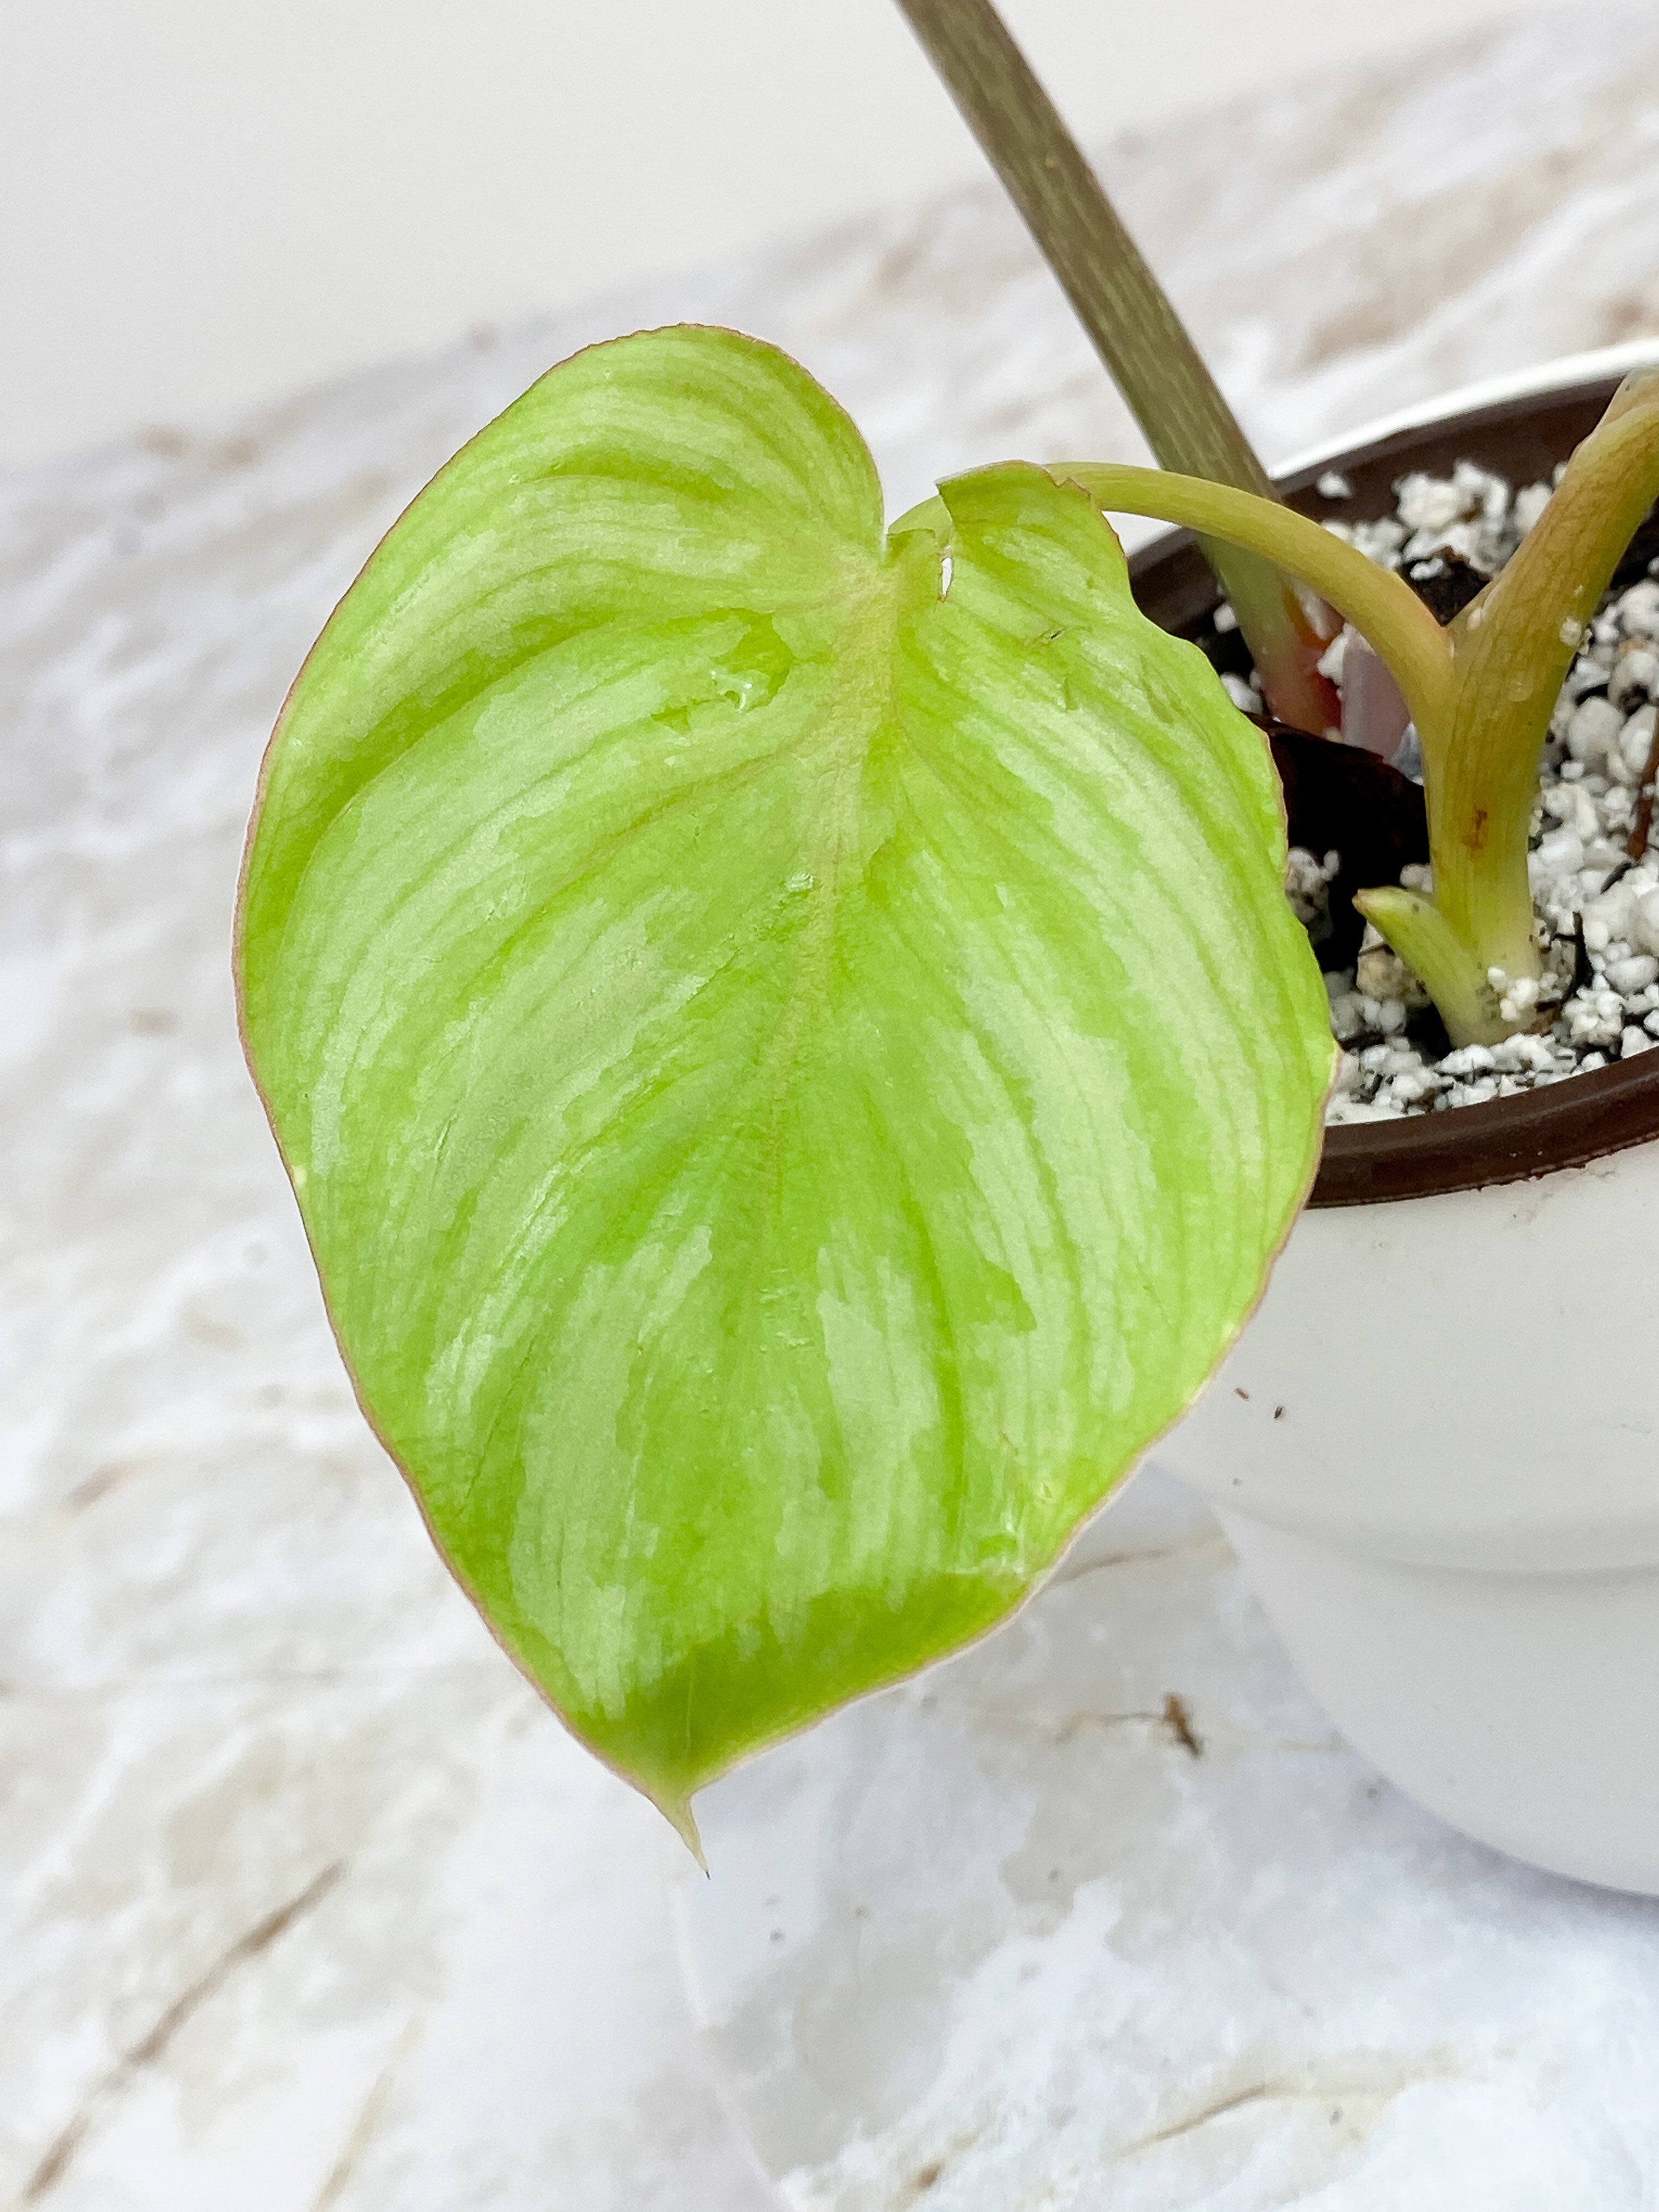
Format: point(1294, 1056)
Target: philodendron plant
point(787, 1033)
point(1481, 691)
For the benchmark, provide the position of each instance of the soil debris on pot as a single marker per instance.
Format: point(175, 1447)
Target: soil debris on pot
point(1595, 884)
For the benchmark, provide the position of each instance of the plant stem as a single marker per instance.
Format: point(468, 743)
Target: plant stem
point(1130, 318)
point(1374, 600)
point(1481, 691)
point(1451, 963)
point(1448, 971)
point(1119, 301)
point(1513, 648)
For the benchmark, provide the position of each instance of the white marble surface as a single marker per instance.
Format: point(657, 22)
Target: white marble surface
point(1025, 1934)
point(307, 1906)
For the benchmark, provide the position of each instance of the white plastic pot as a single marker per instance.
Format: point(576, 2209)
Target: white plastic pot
point(1434, 1450)
point(1435, 1446)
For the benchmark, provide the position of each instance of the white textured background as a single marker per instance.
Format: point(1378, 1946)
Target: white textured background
point(205, 203)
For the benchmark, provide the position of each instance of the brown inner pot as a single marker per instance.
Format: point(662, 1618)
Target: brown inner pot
point(1566, 1124)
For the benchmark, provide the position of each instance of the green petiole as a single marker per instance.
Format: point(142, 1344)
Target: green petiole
point(1511, 649)
point(1481, 691)
point(1132, 326)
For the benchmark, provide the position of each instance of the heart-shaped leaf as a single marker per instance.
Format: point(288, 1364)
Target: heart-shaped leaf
point(790, 1045)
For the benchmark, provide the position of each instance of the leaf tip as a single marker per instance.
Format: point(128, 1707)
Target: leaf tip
point(676, 1811)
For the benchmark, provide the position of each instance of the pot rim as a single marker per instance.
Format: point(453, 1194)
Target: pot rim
point(1566, 1125)
point(1544, 380)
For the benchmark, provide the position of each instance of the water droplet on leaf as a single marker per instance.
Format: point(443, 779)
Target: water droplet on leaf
point(753, 669)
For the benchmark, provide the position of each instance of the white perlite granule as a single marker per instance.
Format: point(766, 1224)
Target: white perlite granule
point(1597, 910)
point(1308, 887)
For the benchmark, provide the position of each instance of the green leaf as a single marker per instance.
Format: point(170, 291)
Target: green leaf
point(794, 1072)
